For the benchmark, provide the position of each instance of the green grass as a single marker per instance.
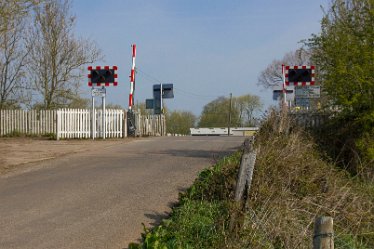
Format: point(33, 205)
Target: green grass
point(347, 241)
point(292, 185)
point(200, 218)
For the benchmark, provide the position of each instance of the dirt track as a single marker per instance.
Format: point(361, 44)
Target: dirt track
point(16, 152)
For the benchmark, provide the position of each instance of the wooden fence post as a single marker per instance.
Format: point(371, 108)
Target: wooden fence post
point(244, 179)
point(246, 169)
point(323, 237)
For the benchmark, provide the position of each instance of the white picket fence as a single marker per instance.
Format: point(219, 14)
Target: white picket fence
point(151, 125)
point(76, 123)
point(73, 123)
point(33, 122)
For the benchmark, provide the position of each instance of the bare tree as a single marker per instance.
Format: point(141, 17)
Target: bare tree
point(272, 75)
point(57, 57)
point(12, 9)
point(13, 54)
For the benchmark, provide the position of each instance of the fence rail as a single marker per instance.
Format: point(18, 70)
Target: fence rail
point(76, 123)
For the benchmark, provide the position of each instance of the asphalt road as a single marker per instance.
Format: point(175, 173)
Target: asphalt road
point(98, 199)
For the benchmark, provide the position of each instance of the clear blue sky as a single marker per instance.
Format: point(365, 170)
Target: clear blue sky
point(206, 48)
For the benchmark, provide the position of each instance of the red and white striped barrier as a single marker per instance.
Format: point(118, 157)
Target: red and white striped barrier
point(132, 77)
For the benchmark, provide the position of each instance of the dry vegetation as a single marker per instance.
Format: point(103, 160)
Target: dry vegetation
point(292, 185)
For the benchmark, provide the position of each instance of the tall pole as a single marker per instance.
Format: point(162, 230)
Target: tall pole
point(103, 113)
point(228, 130)
point(132, 77)
point(93, 118)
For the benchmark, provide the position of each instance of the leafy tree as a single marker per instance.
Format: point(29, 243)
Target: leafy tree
point(247, 106)
point(344, 55)
point(180, 122)
point(216, 114)
point(243, 108)
point(57, 57)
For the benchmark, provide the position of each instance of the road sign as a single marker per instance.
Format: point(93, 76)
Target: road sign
point(98, 92)
point(302, 102)
point(307, 92)
point(278, 93)
point(167, 91)
point(149, 103)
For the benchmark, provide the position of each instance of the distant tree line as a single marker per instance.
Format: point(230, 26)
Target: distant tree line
point(41, 59)
point(243, 109)
point(244, 112)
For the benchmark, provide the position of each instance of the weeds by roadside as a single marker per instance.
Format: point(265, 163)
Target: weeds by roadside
point(291, 186)
point(200, 218)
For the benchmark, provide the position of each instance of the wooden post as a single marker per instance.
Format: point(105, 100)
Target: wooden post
point(246, 169)
point(244, 179)
point(323, 233)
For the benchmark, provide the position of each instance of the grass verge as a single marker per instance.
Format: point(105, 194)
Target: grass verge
point(291, 186)
point(200, 218)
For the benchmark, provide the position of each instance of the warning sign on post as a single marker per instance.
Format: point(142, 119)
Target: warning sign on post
point(98, 92)
point(307, 92)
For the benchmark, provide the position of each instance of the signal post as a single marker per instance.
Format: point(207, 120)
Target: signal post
point(99, 78)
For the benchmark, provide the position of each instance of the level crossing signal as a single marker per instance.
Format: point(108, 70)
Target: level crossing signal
point(299, 75)
point(102, 76)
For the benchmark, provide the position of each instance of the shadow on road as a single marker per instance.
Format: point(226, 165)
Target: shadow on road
point(157, 217)
point(215, 154)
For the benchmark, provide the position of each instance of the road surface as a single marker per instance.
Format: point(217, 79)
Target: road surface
point(99, 198)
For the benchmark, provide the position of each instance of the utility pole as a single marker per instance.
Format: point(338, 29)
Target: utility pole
point(228, 132)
